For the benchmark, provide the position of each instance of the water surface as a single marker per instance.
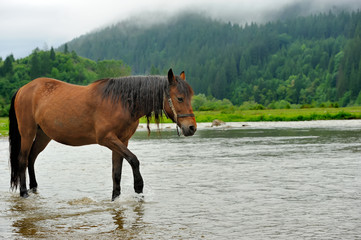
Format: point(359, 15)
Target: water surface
point(260, 181)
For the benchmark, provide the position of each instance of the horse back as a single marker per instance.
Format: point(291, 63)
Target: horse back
point(50, 96)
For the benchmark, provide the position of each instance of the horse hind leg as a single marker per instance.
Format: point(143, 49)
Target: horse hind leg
point(26, 143)
point(40, 142)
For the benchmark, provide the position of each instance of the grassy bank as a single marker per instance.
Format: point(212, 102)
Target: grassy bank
point(258, 115)
point(4, 126)
point(277, 115)
point(281, 115)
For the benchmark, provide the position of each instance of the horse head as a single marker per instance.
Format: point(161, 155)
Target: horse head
point(177, 103)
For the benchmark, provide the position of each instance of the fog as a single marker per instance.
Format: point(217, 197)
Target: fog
point(260, 11)
point(26, 25)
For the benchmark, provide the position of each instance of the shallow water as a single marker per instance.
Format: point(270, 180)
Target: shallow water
point(259, 181)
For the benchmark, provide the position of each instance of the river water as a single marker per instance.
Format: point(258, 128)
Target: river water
point(241, 181)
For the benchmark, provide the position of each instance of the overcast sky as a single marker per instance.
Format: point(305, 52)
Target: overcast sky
point(27, 24)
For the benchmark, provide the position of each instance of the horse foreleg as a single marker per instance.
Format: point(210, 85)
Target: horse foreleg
point(117, 146)
point(117, 173)
point(40, 142)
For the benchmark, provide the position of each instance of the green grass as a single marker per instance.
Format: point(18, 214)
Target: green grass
point(4, 126)
point(281, 115)
point(257, 115)
point(307, 114)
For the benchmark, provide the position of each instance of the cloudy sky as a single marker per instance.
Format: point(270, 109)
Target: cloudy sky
point(27, 24)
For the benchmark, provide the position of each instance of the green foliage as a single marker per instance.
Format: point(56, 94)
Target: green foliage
point(112, 68)
point(68, 67)
point(4, 127)
point(304, 60)
point(283, 104)
point(202, 103)
point(154, 71)
point(250, 105)
point(280, 115)
point(349, 78)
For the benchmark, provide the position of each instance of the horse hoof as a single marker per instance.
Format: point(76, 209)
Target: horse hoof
point(115, 197)
point(24, 195)
point(34, 190)
point(139, 198)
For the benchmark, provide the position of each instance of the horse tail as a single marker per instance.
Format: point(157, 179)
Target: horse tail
point(15, 143)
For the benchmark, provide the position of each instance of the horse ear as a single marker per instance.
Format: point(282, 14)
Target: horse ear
point(171, 77)
point(183, 76)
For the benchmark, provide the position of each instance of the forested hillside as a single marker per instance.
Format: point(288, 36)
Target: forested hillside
point(64, 66)
point(302, 60)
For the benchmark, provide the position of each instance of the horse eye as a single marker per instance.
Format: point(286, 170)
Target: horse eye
point(180, 99)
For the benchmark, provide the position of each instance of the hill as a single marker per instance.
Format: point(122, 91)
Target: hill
point(303, 60)
point(64, 66)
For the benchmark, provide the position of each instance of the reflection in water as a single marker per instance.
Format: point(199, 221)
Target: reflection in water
point(28, 213)
point(36, 218)
point(129, 220)
point(248, 183)
point(26, 227)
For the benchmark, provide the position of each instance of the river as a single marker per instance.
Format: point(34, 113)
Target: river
point(281, 180)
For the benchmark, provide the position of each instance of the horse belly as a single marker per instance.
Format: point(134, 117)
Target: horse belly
point(67, 132)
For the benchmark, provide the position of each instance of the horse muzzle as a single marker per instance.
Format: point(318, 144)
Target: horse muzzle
point(189, 130)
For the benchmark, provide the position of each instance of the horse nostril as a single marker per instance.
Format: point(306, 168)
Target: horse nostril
point(192, 128)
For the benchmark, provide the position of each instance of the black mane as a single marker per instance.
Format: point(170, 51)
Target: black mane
point(141, 94)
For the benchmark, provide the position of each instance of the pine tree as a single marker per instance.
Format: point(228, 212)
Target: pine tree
point(52, 54)
point(66, 50)
point(8, 65)
point(35, 67)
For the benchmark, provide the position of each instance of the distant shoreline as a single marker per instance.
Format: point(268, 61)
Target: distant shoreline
point(245, 117)
point(355, 123)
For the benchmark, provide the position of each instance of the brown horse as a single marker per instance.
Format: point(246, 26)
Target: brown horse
point(105, 112)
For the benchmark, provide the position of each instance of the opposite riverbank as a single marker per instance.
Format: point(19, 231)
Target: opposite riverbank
point(265, 115)
point(306, 114)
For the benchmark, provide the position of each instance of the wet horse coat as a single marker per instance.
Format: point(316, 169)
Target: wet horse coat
point(105, 112)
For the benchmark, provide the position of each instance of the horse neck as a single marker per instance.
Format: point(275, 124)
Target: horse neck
point(140, 95)
point(149, 97)
point(150, 110)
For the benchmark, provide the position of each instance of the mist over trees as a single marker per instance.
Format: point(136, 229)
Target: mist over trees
point(302, 60)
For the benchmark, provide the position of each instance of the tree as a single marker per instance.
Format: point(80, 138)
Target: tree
point(66, 51)
point(8, 65)
point(52, 54)
point(112, 68)
point(154, 71)
point(35, 67)
point(219, 88)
